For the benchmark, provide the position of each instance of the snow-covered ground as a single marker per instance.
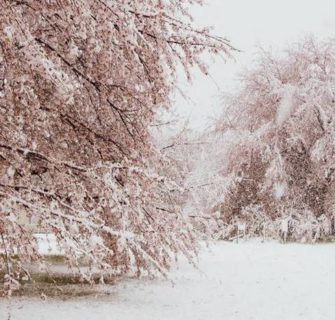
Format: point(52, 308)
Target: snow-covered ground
point(234, 281)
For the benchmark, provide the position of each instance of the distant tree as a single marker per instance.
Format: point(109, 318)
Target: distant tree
point(274, 147)
point(80, 83)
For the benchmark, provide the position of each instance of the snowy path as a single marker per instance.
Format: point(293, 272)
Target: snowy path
point(235, 282)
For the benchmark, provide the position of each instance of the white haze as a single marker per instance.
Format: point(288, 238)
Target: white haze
point(248, 24)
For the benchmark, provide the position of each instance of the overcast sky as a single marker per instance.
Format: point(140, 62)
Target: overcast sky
point(248, 24)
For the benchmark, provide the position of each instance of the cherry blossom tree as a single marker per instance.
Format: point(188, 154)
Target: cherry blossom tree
point(274, 148)
point(80, 84)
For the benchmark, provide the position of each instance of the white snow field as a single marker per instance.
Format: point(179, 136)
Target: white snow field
point(243, 281)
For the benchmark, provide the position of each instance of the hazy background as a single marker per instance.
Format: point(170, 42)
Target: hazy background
point(248, 24)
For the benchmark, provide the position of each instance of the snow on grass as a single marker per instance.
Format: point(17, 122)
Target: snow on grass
point(234, 281)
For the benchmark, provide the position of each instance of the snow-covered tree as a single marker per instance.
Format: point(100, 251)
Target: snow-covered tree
point(274, 147)
point(80, 83)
